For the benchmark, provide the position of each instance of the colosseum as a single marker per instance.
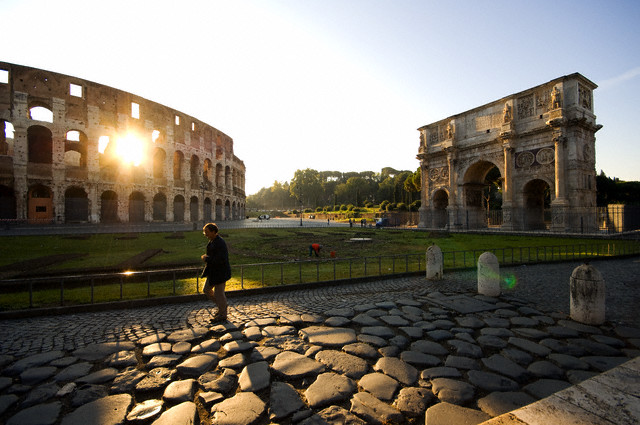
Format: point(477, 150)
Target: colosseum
point(72, 150)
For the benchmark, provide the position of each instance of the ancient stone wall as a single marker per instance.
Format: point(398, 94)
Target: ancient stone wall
point(73, 150)
point(542, 142)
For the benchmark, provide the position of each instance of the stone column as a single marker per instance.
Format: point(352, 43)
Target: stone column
point(434, 263)
point(507, 187)
point(559, 205)
point(587, 291)
point(424, 197)
point(488, 275)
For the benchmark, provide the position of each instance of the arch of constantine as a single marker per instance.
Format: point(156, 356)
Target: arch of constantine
point(539, 147)
point(72, 150)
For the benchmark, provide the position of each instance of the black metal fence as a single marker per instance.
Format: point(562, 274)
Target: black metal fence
point(19, 294)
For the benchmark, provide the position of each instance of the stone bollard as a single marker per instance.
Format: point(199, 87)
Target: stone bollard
point(434, 263)
point(587, 302)
point(488, 275)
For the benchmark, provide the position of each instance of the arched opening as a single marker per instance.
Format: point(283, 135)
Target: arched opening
point(194, 171)
point(40, 208)
point(159, 207)
point(76, 205)
point(193, 209)
point(480, 188)
point(40, 142)
point(41, 113)
point(227, 210)
point(178, 208)
point(207, 173)
point(109, 207)
point(218, 209)
point(75, 149)
point(7, 134)
point(7, 203)
point(178, 159)
point(536, 201)
point(158, 163)
point(207, 210)
point(219, 176)
point(136, 207)
point(440, 204)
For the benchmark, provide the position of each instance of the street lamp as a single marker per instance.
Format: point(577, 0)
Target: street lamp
point(301, 211)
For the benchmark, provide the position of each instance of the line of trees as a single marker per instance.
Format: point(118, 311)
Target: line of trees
point(614, 191)
point(312, 189)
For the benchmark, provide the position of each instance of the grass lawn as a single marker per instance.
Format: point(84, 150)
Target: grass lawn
point(359, 252)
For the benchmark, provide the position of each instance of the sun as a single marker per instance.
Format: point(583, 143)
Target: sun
point(130, 149)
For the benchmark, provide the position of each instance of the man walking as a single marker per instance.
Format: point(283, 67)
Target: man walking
point(217, 270)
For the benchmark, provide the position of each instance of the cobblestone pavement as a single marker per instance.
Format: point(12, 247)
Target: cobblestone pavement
point(448, 345)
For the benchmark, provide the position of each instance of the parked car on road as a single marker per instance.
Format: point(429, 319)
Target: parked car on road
point(264, 217)
point(383, 222)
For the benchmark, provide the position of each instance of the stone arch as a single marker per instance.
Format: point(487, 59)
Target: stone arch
point(178, 208)
point(40, 143)
point(75, 149)
point(136, 207)
point(219, 176)
point(227, 177)
point(474, 187)
point(536, 199)
point(178, 161)
point(40, 204)
point(7, 136)
point(159, 157)
point(7, 203)
point(109, 207)
point(440, 203)
point(218, 209)
point(193, 209)
point(207, 172)
point(159, 207)
point(227, 210)
point(207, 210)
point(76, 205)
point(194, 171)
point(39, 111)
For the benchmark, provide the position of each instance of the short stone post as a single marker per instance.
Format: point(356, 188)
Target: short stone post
point(587, 290)
point(488, 275)
point(434, 263)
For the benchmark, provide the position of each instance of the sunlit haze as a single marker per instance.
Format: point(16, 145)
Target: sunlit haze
point(334, 84)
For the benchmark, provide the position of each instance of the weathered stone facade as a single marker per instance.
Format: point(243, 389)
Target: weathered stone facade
point(541, 140)
point(61, 140)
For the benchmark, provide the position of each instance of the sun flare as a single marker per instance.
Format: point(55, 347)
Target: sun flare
point(130, 149)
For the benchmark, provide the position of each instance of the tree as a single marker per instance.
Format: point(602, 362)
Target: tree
point(306, 187)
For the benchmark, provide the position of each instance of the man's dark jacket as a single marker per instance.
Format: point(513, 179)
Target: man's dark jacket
point(217, 269)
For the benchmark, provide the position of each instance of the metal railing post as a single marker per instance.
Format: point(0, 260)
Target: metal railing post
point(62, 292)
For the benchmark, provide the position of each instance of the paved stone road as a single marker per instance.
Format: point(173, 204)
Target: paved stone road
point(389, 350)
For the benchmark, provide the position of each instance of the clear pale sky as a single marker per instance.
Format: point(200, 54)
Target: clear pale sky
point(339, 84)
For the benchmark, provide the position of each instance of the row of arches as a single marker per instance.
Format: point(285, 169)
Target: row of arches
point(76, 149)
point(482, 201)
point(111, 208)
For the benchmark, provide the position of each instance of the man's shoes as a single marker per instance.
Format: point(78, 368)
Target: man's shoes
point(219, 317)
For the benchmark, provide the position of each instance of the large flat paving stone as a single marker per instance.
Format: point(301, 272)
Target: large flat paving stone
point(95, 352)
point(255, 377)
point(182, 414)
point(283, 400)
point(450, 414)
point(380, 385)
point(242, 409)
point(42, 414)
point(373, 410)
point(346, 364)
point(397, 369)
point(293, 365)
point(328, 336)
point(197, 365)
point(452, 391)
point(32, 361)
point(329, 388)
point(106, 411)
